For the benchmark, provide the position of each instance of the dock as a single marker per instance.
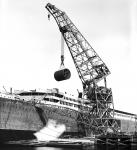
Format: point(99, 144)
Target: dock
point(120, 141)
point(69, 143)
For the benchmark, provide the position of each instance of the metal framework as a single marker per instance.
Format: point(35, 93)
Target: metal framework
point(91, 69)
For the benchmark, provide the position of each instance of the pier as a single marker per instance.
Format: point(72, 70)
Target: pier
point(109, 141)
point(69, 143)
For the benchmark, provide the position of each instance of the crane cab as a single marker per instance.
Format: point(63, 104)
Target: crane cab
point(62, 74)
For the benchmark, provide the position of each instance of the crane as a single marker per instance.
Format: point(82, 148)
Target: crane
point(91, 70)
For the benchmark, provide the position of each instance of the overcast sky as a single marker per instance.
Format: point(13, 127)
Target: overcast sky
point(30, 45)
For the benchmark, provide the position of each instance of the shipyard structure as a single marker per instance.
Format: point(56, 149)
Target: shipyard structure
point(23, 114)
point(92, 112)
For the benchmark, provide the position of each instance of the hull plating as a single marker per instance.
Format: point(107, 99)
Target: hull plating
point(19, 120)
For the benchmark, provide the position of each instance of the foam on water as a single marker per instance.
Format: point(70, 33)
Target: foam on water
point(51, 131)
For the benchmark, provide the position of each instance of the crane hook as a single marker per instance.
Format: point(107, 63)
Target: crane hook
point(62, 52)
point(48, 16)
point(62, 61)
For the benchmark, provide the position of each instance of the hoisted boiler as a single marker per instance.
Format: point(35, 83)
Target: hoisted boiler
point(62, 74)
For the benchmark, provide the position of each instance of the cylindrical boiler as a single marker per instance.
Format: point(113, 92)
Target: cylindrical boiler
point(62, 74)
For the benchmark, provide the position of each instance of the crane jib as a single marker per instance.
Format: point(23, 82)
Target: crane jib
point(91, 69)
point(88, 64)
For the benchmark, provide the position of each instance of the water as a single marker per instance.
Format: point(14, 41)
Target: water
point(10, 147)
point(51, 132)
point(31, 148)
point(37, 148)
point(52, 148)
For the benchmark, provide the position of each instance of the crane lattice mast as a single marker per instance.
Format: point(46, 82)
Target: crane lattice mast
point(91, 69)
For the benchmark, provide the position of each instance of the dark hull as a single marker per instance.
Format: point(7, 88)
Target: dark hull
point(15, 135)
point(19, 120)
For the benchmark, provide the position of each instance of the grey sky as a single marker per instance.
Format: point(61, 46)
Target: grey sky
point(30, 44)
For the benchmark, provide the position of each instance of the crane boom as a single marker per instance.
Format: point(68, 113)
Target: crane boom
point(89, 65)
point(91, 69)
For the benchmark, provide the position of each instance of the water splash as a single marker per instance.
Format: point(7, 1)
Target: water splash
point(52, 131)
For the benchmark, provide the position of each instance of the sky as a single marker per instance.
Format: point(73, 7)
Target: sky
point(30, 45)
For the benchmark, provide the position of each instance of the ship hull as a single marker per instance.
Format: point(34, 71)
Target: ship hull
point(7, 135)
point(19, 120)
